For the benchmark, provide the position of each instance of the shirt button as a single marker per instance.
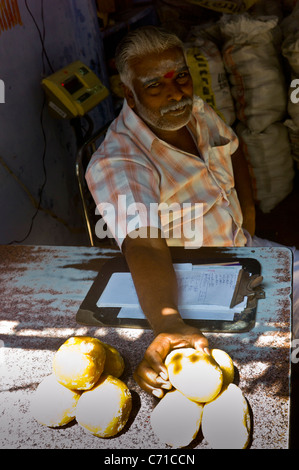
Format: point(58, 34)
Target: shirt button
point(224, 197)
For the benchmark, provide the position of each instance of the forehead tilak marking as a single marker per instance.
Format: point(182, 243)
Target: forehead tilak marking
point(169, 74)
point(166, 69)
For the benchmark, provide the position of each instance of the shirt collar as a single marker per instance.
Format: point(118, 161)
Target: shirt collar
point(198, 108)
point(140, 131)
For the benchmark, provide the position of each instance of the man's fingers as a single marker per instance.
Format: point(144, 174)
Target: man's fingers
point(156, 362)
point(157, 392)
point(151, 383)
point(201, 344)
point(148, 375)
point(158, 366)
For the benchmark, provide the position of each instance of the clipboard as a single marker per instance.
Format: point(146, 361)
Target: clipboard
point(92, 315)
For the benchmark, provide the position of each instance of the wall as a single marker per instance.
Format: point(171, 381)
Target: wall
point(71, 33)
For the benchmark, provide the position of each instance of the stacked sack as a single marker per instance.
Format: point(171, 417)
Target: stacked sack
point(290, 50)
point(229, 6)
point(209, 75)
point(258, 87)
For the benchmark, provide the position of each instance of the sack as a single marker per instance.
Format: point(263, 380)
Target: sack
point(209, 77)
point(289, 25)
point(289, 5)
point(227, 6)
point(293, 104)
point(270, 161)
point(267, 8)
point(293, 131)
point(290, 50)
point(209, 31)
point(254, 69)
point(179, 16)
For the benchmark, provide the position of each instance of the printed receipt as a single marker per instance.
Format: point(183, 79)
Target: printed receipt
point(204, 292)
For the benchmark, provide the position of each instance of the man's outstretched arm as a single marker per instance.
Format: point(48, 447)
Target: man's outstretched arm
point(151, 267)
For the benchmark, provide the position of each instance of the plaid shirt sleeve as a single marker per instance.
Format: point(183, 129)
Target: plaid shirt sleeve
point(124, 185)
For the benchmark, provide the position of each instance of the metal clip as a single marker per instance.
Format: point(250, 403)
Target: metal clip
point(247, 286)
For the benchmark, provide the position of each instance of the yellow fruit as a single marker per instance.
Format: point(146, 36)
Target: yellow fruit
point(114, 363)
point(194, 373)
point(105, 409)
point(226, 420)
point(176, 419)
point(53, 404)
point(226, 365)
point(79, 362)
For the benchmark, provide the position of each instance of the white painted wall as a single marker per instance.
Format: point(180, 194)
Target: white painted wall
point(71, 33)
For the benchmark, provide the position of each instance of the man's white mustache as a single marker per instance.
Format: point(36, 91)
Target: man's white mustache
point(176, 106)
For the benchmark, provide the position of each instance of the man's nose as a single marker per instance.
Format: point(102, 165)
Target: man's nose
point(174, 91)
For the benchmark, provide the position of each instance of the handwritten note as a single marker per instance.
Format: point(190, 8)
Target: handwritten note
point(213, 286)
point(203, 292)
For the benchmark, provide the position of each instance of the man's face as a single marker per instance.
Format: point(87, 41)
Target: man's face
point(162, 90)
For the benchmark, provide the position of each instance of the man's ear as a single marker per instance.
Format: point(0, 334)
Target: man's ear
point(129, 96)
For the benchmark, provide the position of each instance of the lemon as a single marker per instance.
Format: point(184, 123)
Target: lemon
point(114, 363)
point(226, 420)
point(176, 419)
point(53, 404)
point(79, 362)
point(105, 409)
point(194, 373)
point(226, 365)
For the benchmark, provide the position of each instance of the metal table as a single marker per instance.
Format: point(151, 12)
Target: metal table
point(42, 288)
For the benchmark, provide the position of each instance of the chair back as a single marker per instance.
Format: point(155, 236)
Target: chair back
point(83, 157)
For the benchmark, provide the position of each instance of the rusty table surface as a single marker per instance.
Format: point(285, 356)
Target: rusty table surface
point(42, 288)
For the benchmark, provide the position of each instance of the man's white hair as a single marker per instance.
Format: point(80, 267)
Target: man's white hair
point(139, 43)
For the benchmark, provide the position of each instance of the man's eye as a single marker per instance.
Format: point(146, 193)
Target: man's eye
point(183, 75)
point(153, 85)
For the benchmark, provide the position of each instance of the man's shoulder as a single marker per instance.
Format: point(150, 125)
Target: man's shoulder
point(118, 135)
point(198, 104)
point(128, 133)
point(202, 107)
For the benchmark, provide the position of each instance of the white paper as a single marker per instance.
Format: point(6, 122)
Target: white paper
point(205, 286)
point(204, 292)
point(187, 314)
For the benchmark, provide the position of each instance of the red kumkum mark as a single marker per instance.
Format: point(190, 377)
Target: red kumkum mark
point(169, 74)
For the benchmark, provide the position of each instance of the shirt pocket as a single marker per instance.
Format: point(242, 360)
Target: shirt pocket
point(220, 164)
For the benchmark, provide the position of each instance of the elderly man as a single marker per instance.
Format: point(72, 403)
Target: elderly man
point(167, 146)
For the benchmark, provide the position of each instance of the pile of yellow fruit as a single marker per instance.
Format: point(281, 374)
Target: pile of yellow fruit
point(84, 385)
point(203, 395)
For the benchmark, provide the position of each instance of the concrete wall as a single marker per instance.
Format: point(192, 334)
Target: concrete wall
point(71, 33)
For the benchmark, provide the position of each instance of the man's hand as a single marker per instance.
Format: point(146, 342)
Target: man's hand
point(151, 374)
point(155, 281)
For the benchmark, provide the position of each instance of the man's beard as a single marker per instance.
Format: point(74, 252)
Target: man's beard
point(160, 120)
